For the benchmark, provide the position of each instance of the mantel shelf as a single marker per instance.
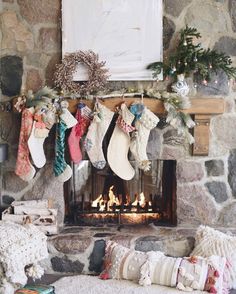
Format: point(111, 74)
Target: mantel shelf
point(209, 106)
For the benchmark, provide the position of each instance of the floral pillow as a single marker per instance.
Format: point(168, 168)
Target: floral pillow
point(213, 242)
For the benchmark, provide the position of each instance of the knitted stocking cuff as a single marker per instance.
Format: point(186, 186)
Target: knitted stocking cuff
point(148, 119)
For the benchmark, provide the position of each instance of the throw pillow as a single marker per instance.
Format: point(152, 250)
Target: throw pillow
point(213, 242)
point(122, 263)
point(186, 274)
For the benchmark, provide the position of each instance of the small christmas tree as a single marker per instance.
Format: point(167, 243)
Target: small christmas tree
point(191, 58)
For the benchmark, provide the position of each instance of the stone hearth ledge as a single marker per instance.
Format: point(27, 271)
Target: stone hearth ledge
point(79, 250)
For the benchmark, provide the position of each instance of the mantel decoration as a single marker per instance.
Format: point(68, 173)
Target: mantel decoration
point(191, 58)
point(97, 73)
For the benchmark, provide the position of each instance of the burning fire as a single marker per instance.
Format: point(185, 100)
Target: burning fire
point(141, 200)
point(102, 204)
point(99, 202)
point(112, 199)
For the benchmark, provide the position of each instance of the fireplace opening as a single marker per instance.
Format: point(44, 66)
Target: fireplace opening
point(98, 197)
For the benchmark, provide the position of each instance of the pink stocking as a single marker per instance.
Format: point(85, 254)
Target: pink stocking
point(24, 168)
point(83, 116)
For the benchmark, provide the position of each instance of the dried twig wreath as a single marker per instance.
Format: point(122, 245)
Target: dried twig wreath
point(97, 73)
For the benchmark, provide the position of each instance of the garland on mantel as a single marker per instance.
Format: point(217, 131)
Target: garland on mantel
point(191, 58)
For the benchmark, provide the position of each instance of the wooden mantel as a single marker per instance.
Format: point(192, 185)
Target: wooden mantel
point(202, 110)
point(204, 105)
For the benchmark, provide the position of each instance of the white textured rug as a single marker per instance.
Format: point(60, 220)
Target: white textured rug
point(94, 285)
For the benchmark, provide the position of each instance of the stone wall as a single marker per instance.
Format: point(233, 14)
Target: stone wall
point(30, 41)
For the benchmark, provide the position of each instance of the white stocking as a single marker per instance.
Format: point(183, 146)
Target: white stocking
point(35, 143)
point(117, 153)
point(96, 133)
point(138, 146)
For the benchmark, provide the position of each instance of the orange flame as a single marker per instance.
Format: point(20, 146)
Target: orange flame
point(140, 199)
point(112, 199)
point(99, 202)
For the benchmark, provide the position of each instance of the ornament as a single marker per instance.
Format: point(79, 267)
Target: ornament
point(195, 59)
point(185, 63)
point(181, 87)
point(204, 82)
point(210, 66)
point(185, 43)
point(216, 82)
point(97, 73)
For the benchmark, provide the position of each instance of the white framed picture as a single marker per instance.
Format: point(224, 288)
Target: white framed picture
point(127, 34)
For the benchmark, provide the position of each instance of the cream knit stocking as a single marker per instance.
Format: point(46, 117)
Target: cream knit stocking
point(138, 146)
point(117, 153)
point(96, 133)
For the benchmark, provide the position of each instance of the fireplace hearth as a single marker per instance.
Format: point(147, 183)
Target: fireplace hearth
point(98, 197)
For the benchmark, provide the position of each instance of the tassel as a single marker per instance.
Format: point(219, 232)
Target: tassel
point(104, 276)
point(195, 285)
point(188, 289)
point(180, 286)
point(213, 290)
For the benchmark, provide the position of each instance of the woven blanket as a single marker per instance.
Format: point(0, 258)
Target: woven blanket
point(21, 246)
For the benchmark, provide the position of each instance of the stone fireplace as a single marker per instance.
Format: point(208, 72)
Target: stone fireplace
point(205, 191)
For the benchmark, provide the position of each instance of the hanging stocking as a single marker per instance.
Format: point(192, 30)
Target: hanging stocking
point(36, 140)
point(62, 170)
point(68, 118)
point(83, 116)
point(138, 146)
point(96, 133)
point(24, 168)
point(117, 153)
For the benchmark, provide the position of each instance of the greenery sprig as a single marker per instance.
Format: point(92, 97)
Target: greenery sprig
point(174, 104)
point(192, 58)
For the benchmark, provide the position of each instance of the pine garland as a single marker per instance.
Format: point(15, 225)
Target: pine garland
point(174, 104)
point(192, 58)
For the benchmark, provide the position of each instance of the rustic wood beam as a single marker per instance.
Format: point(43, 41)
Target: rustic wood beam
point(199, 105)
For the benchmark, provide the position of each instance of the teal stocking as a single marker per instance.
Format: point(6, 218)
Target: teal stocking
point(61, 169)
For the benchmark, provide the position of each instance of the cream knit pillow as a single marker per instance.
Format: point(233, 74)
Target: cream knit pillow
point(212, 242)
point(187, 273)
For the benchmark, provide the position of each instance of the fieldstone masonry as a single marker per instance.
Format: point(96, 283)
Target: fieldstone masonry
point(30, 42)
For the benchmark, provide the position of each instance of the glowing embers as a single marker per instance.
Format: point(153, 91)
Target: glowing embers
point(116, 204)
